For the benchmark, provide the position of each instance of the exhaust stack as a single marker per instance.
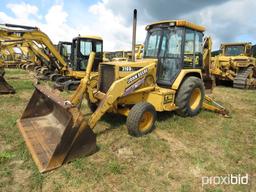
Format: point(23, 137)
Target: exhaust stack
point(134, 34)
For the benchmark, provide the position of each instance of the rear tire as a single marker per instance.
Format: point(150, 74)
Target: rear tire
point(141, 119)
point(190, 97)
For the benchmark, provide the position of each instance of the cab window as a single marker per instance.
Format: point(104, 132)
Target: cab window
point(163, 45)
point(198, 49)
point(174, 47)
point(189, 48)
point(85, 48)
point(153, 42)
point(98, 47)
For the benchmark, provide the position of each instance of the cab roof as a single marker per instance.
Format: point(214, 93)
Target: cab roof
point(179, 23)
point(91, 37)
point(236, 43)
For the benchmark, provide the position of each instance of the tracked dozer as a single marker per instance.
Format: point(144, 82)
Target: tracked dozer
point(55, 129)
point(236, 63)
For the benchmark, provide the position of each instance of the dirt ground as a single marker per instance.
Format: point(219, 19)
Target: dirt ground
point(174, 157)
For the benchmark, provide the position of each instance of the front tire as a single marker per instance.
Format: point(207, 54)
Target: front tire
point(141, 119)
point(190, 97)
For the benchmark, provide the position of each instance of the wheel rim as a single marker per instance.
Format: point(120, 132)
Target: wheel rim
point(145, 121)
point(195, 98)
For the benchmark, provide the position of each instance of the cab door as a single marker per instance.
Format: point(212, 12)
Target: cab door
point(80, 54)
point(99, 54)
point(193, 49)
point(170, 57)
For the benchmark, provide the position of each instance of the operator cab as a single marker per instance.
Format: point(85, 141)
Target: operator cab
point(236, 49)
point(177, 45)
point(82, 46)
point(64, 49)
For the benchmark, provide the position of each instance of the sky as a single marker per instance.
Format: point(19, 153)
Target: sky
point(62, 20)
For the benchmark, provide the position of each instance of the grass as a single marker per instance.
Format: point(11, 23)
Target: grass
point(172, 158)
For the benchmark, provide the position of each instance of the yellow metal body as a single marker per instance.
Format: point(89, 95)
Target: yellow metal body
point(58, 125)
point(178, 23)
point(124, 55)
point(30, 51)
point(35, 35)
point(226, 67)
point(81, 74)
point(143, 88)
point(10, 58)
point(39, 37)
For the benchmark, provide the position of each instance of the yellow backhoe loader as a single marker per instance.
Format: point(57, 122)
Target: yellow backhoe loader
point(169, 78)
point(235, 64)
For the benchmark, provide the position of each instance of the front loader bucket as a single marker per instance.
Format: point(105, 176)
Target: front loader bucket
point(5, 88)
point(54, 131)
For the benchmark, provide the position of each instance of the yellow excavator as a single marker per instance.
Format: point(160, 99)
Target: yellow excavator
point(67, 75)
point(31, 56)
point(80, 50)
point(18, 57)
point(27, 33)
point(12, 55)
point(235, 64)
point(169, 78)
point(6, 55)
point(5, 87)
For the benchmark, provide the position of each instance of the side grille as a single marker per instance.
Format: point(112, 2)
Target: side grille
point(107, 77)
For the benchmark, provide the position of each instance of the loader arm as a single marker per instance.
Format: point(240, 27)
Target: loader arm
point(35, 34)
